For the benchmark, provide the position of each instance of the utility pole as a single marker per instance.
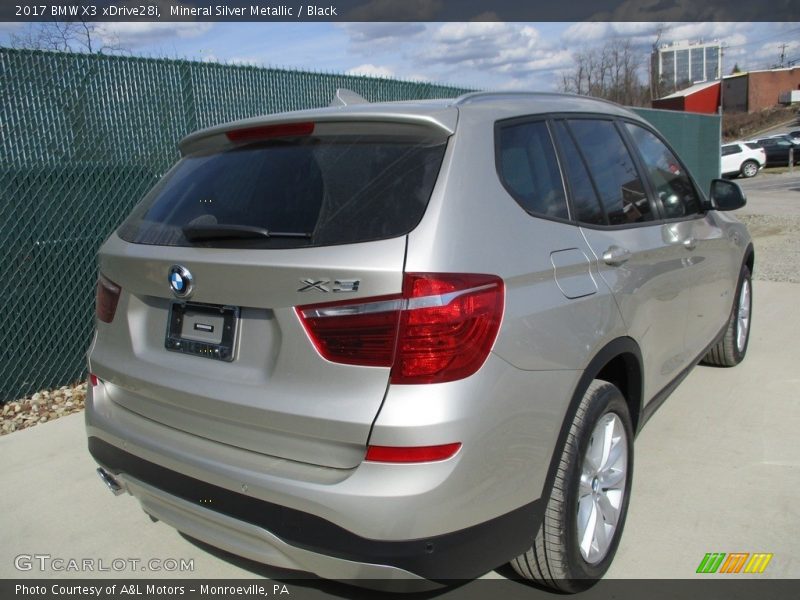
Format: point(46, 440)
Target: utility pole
point(783, 54)
point(655, 69)
point(721, 84)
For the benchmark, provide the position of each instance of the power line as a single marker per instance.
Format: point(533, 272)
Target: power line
point(761, 40)
point(782, 34)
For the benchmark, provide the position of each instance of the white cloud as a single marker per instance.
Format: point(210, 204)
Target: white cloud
point(592, 32)
point(769, 54)
point(459, 32)
point(133, 35)
point(382, 33)
point(705, 31)
point(510, 49)
point(491, 55)
point(250, 61)
point(483, 45)
point(644, 35)
point(371, 70)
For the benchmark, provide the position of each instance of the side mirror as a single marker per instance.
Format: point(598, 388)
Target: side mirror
point(726, 195)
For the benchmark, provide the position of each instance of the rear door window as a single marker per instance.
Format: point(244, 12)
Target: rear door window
point(312, 191)
point(613, 171)
point(585, 202)
point(670, 180)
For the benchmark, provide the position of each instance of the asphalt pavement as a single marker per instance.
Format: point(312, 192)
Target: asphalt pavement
point(772, 193)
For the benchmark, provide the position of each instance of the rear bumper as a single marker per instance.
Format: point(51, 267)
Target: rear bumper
point(453, 519)
point(292, 539)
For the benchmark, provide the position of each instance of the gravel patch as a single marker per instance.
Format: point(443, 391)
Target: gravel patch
point(42, 407)
point(776, 239)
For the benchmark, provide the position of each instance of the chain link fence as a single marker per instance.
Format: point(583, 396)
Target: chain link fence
point(82, 138)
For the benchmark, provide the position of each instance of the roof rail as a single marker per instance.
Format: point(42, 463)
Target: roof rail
point(473, 97)
point(345, 97)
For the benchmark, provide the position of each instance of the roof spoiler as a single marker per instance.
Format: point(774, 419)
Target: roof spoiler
point(345, 97)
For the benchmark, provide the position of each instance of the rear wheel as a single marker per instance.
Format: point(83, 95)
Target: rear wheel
point(749, 168)
point(730, 350)
point(586, 510)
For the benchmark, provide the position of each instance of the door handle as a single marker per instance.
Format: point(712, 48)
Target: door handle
point(690, 243)
point(616, 256)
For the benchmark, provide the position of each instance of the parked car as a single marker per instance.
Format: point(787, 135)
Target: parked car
point(777, 149)
point(795, 136)
point(739, 158)
point(410, 340)
point(784, 136)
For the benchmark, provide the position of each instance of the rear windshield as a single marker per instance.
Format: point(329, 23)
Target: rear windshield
point(290, 193)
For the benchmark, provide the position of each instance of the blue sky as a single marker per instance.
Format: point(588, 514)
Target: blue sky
point(477, 55)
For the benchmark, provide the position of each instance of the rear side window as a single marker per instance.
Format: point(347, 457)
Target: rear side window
point(312, 191)
point(753, 145)
point(612, 169)
point(733, 149)
point(528, 168)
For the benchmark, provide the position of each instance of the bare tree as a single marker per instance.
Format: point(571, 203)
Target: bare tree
point(66, 36)
point(611, 71)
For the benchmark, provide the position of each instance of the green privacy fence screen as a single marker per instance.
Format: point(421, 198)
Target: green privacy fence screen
point(695, 137)
point(82, 137)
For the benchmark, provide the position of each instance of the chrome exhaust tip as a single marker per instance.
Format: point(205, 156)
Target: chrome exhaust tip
point(111, 482)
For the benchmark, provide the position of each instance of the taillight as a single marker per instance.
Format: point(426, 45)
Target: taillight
point(106, 299)
point(265, 132)
point(440, 329)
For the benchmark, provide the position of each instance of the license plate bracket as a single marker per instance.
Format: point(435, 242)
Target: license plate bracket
point(205, 330)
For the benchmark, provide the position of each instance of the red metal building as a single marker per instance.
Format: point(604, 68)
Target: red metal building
point(700, 98)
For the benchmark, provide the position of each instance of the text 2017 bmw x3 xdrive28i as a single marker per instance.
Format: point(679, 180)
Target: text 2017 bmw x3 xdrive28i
point(410, 339)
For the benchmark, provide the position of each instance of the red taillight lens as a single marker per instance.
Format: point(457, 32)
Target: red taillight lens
point(106, 299)
point(450, 326)
point(354, 334)
point(265, 132)
point(93, 380)
point(441, 329)
point(416, 454)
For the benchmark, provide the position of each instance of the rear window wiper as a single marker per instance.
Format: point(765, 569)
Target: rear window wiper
point(201, 233)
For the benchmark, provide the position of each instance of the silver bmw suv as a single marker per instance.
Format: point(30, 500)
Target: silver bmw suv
point(410, 340)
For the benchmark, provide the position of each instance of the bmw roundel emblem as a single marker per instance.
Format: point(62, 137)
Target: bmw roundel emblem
point(180, 281)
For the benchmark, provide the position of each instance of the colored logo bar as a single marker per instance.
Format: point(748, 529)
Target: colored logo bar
point(735, 562)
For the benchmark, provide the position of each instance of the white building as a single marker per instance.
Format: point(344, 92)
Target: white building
point(680, 64)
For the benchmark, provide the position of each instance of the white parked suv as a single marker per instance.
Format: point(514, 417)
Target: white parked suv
point(740, 158)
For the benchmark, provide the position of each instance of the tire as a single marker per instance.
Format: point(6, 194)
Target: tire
point(557, 558)
point(749, 168)
point(731, 349)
